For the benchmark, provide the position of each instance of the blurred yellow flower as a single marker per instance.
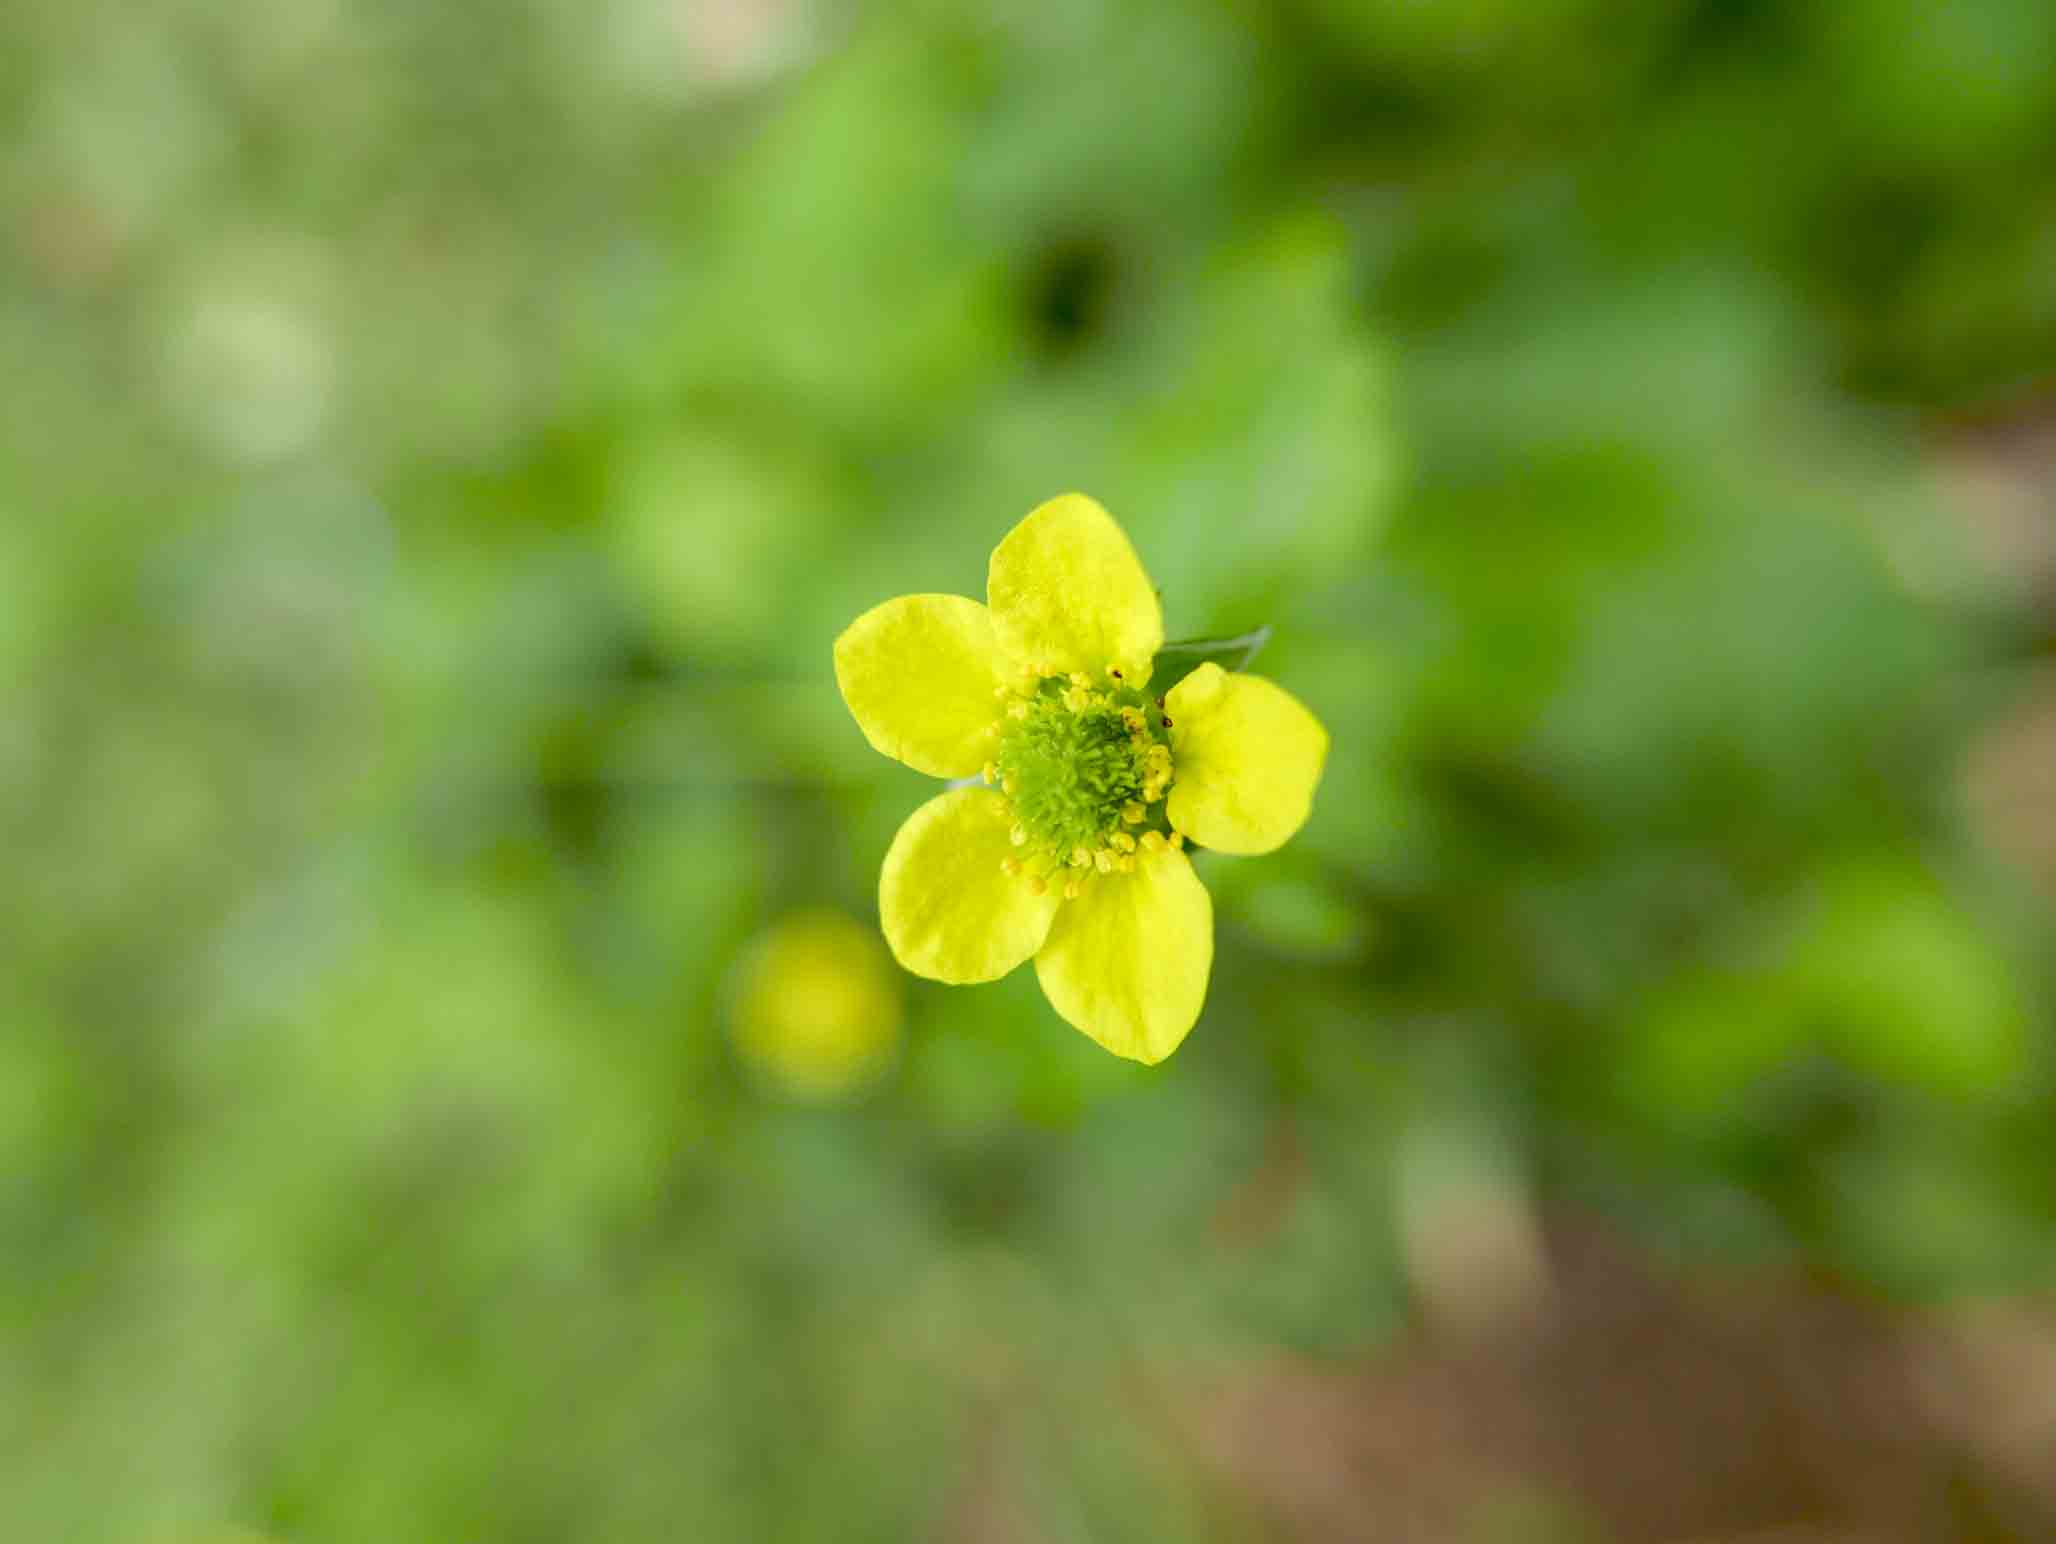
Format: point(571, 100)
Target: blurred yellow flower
point(1073, 852)
point(816, 1008)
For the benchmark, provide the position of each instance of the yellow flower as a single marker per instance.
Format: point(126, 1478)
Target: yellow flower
point(1072, 852)
point(815, 1011)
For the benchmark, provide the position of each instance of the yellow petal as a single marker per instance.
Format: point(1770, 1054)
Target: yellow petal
point(1068, 593)
point(1127, 961)
point(1248, 756)
point(919, 672)
point(949, 911)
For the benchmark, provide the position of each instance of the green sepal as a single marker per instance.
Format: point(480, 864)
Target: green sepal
point(1176, 661)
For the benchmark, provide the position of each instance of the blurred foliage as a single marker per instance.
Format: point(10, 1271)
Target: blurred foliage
point(439, 446)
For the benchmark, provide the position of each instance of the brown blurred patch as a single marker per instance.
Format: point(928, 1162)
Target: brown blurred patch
point(2010, 782)
point(1996, 466)
point(68, 241)
point(1655, 1407)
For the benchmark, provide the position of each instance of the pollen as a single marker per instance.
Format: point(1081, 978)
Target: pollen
point(1081, 762)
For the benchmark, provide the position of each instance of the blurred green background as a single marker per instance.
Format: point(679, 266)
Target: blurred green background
point(449, 1087)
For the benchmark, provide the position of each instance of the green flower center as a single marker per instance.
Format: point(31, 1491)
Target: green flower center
point(1081, 763)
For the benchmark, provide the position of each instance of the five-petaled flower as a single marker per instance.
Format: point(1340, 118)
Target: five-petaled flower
point(1072, 848)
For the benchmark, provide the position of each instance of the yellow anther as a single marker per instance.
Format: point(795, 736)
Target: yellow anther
point(1081, 857)
point(1009, 787)
point(1134, 813)
point(1133, 720)
point(1038, 884)
point(1077, 699)
point(1017, 709)
point(1018, 836)
point(988, 774)
point(1010, 865)
point(1177, 840)
point(1122, 841)
point(1153, 841)
point(1074, 887)
point(1103, 860)
point(1126, 864)
point(1080, 678)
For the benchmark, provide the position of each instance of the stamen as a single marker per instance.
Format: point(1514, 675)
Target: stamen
point(1081, 763)
point(1153, 842)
